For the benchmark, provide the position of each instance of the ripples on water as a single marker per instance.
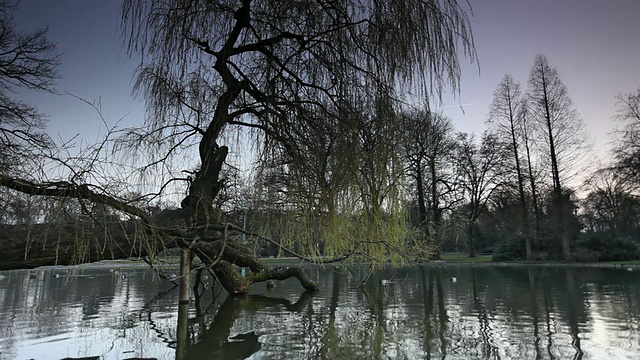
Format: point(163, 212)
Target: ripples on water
point(489, 312)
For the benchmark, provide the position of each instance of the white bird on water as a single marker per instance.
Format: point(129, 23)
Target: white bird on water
point(453, 279)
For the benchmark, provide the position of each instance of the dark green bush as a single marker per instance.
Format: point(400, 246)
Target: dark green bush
point(609, 246)
point(601, 246)
point(581, 254)
point(512, 249)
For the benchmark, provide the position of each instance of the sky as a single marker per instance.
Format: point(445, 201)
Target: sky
point(594, 45)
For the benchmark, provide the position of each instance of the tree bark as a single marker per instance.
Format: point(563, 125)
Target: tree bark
point(472, 245)
point(436, 211)
point(534, 192)
point(31, 246)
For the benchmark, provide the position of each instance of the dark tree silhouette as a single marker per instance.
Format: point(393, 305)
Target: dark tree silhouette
point(481, 168)
point(212, 67)
point(551, 108)
point(627, 149)
point(506, 117)
point(28, 61)
point(428, 147)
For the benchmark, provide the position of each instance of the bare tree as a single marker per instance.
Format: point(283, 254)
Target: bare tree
point(506, 116)
point(552, 109)
point(627, 149)
point(27, 62)
point(532, 175)
point(429, 143)
point(482, 172)
point(417, 127)
point(611, 204)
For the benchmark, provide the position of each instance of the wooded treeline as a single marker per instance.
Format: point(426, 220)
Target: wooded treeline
point(282, 128)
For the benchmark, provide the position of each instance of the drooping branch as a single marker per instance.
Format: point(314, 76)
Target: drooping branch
point(31, 246)
point(301, 65)
point(66, 189)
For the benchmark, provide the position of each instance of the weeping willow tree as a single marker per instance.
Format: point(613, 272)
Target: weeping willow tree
point(343, 186)
point(286, 77)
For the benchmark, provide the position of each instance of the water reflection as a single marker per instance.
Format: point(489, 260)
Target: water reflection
point(216, 341)
point(415, 313)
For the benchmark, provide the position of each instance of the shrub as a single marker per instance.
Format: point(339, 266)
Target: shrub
point(609, 246)
point(512, 249)
point(581, 254)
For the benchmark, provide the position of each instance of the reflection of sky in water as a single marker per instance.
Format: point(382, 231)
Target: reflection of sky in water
point(490, 312)
point(85, 313)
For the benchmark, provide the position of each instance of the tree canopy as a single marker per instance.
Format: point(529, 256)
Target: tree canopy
point(278, 79)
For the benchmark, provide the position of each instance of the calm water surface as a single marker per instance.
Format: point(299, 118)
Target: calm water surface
point(489, 312)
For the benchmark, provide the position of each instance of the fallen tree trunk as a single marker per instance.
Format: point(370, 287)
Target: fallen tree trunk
point(78, 242)
point(30, 246)
point(235, 283)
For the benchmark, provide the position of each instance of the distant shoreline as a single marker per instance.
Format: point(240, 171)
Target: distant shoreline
point(448, 260)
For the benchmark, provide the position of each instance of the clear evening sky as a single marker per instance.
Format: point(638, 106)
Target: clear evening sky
point(594, 44)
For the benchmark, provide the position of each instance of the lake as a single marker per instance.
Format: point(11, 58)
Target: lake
point(489, 312)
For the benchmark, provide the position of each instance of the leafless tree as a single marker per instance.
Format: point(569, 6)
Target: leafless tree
point(627, 146)
point(551, 108)
point(27, 63)
point(532, 174)
point(611, 204)
point(506, 117)
point(482, 172)
point(429, 143)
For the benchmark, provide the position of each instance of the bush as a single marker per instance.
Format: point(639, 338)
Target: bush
point(581, 254)
point(513, 249)
point(608, 246)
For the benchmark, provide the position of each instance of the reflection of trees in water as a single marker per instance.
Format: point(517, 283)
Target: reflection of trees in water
point(619, 288)
point(486, 350)
point(534, 310)
point(48, 302)
point(518, 311)
point(576, 312)
point(491, 312)
point(46, 298)
point(614, 294)
point(216, 342)
point(434, 318)
point(331, 339)
point(521, 302)
point(502, 313)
